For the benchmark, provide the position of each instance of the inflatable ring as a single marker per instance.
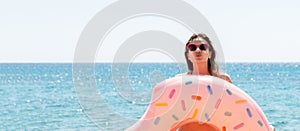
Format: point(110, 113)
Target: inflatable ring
point(208, 100)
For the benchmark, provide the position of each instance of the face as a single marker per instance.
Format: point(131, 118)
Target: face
point(198, 50)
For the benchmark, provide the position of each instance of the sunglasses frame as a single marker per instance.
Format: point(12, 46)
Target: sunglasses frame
point(206, 46)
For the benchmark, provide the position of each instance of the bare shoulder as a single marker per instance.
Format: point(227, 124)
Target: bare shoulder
point(226, 77)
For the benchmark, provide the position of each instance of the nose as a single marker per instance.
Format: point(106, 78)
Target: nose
point(197, 49)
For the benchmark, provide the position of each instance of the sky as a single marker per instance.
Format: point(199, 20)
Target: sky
point(249, 31)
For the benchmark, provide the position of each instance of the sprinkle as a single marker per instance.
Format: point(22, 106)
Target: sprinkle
point(156, 121)
point(223, 128)
point(209, 90)
point(172, 93)
point(228, 113)
point(240, 101)
point(175, 117)
point(183, 105)
point(228, 92)
point(249, 112)
point(161, 104)
point(198, 98)
point(238, 126)
point(218, 103)
point(195, 114)
point(207, 117)
point(188, 83)
point(260, 123)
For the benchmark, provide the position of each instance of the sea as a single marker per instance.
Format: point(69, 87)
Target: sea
point(106, 96)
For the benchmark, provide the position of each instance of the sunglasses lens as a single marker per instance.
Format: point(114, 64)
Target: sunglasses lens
point(203, 47)
point(192, 47)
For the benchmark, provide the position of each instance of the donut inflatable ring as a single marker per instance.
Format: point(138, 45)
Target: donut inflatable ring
point(208, 100)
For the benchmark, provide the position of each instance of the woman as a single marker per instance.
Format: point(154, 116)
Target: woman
point(200, 57)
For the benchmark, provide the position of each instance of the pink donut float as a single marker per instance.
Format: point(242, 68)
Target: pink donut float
point(205, 99)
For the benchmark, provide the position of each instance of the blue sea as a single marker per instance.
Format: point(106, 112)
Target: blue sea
point(50, 96)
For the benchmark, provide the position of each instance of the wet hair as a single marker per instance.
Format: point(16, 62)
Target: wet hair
point(213, 68)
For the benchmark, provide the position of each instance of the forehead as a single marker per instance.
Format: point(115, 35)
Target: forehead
point(198, 40)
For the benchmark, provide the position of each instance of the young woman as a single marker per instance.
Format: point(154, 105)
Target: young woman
point(200, 57)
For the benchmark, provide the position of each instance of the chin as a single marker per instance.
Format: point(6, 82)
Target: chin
point(200, 60)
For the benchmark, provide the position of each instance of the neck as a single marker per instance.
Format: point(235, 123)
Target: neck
point(200, 68)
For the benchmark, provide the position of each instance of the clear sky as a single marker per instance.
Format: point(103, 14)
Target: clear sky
point(249, 31)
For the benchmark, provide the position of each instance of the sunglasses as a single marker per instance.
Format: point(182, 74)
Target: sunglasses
point(193, 47)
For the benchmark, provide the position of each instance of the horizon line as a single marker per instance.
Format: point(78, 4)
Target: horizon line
point(66, 62)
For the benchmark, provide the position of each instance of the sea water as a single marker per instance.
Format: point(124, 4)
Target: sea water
point(44, 96)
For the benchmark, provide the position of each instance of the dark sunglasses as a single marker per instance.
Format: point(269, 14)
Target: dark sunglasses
point(193, 47)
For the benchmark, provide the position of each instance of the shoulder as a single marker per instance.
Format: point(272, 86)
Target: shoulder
point(226, 77)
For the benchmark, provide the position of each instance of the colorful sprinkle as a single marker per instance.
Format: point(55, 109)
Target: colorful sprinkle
point(240, 101)
point(207, 117)
point(249, 112)
point(161, 104)
point(175, 117)
point(209, 90)
point(156, 121)
point(218, 103)
point(183, 105)
point(198, 98)
point(172, 93)
point(260, 123)
point(238, 126)
point(195, 114)
point(223, 128)
point(228, 92)
point(188, 83)
point(228, 113)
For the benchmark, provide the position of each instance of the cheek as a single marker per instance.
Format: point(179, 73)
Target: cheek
point(190, 55)
point(208, 53)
